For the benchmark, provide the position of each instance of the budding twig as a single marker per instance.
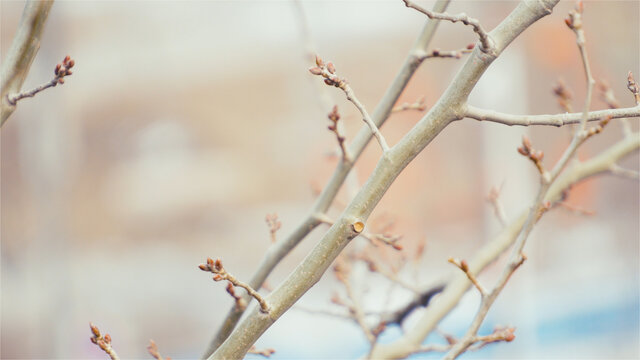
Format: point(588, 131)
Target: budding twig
point(334, 116)
point(456, 54)
point(633, 87)
point(564, 95)
point(264, 352)
point(535, 156)
point(274, 225)
point(61, 70)
point(418, 105)
point(328, 72)
point(153, 350)
point(494, 199)
point(485, 39)
point(103, 342)
point(462, 265)
point(612, 102)
point(216, 268)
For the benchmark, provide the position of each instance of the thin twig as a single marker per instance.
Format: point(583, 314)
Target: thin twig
point(334, 116)
point(274, 225)
point(153, 350)
point(216, 268)
point(558, 120)
point(494, 199)
point(328, 72)
point(103, 342)
point(617, 170)
point(418, 105)
point(485, 39)
point(264, 352)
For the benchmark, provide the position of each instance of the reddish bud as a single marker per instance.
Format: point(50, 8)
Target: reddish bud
point(210, 262)
point(69, 72)
point(522, 151)
point(329, 82)
point(66, 59)
point(315, 70)
point(436, 52)
point(397, 246)
point(464, 266)
point(569, 22)
point(217, 277)
point(202, 267)
point(71, 63)
point(61, 81)
point(331, 68)
point(94, 330)
point(218, 264)
point(319, 61)
point(107, 338)
point(57, 70)
point(471, 46)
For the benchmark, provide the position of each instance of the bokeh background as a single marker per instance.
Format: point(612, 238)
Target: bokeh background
point(185, 123)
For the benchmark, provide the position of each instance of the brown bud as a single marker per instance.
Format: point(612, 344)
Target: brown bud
point(315, 70)
point(464, 266)
point(66, 59)
point(202, 267)
point(522, 151)
point(329, 82)
point(61, 81)
point(569, 22)
point(218, 264)
point(69, 73)
point(71, 63)
point(57, 70)
point(107, 338)
point(217, 277)
point(319, 61)
point(331, 68)
point(210, 262)
point(94, 330)
point(436, 52)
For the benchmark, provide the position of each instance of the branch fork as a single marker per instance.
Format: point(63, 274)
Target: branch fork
point(62, 69)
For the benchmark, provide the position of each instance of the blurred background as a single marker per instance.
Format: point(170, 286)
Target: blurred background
point(185, 123)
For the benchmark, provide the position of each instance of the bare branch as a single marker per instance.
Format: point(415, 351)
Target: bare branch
point(153, 350)
point(334, 116)
point(278, 251)
point(328, 72)
point(63, 69)
point(617, 170)
point(494, 199)
point(216, 268)
point(274, 225)
point(23, 50)
point(464, 266)
point(485, 39)
point(264, 352)
point(551, 120)
point(633, 87)
point(103, 342)
point(418, 105)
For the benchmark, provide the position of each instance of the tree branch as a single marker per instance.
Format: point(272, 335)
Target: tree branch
point(447, 109)
point(23, 50)
point(279, 250)
point(457, 287)
point(552, 120)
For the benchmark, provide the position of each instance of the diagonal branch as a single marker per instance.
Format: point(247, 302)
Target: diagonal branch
point(23, 50)
point(446, 110)
point(279, 250)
